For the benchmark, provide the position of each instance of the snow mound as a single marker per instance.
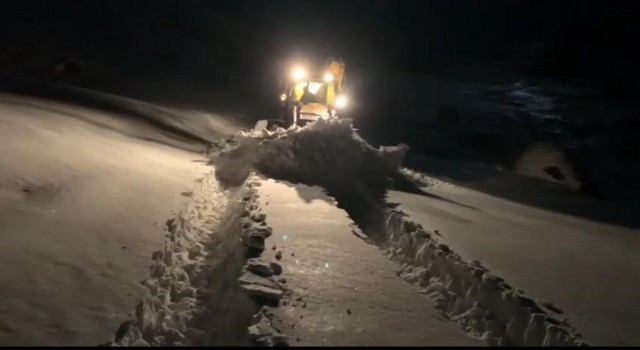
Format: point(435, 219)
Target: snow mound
point(186, 294)
point(485, 305)
point(328, 153)
point(332, 155)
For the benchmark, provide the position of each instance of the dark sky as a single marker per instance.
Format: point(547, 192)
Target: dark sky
point(392, 34)
point(420, 33)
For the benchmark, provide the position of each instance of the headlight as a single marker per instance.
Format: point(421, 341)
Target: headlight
point(341, 101)
point(328, 78)
point(298, 73)
point(283, 97)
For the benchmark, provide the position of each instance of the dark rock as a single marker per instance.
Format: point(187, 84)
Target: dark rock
point(275, 268)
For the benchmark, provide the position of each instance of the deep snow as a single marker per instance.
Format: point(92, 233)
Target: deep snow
point(198, 287)
point(342, 291)
point(589, 270)
point(83, 196)
point(330, 154)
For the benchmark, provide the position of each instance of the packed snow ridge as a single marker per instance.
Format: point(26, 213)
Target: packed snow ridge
point(191, 297)
point(326, 153)
point(332, 155)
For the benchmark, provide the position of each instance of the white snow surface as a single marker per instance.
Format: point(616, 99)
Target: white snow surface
point(325, 153)
point(587, 269)
point(330, 154)
point(83, 198)
point(342, 291)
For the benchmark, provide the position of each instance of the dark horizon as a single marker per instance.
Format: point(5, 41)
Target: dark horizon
point(413, 36)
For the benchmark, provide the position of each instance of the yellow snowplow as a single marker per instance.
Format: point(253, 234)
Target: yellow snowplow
point(309, 95)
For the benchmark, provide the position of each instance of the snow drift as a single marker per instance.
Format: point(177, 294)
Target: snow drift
point(331, 154)
point(326, 153)
point(191, 297)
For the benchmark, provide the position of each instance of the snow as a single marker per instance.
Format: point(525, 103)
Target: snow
point(324, 153)
point(341, 290)
point(82, 198)
point(355, 265)
point(589, 270)
point(330, 154)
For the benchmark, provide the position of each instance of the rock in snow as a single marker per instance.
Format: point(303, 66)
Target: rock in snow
point(260, 267)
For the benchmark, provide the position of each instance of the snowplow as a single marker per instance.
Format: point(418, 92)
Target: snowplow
point(308, 95)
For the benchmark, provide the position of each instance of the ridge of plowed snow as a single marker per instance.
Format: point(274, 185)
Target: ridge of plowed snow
point(331, 154)
point(191, 298)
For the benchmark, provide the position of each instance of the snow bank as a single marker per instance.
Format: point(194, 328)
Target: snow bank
point(485, 305)
point(330, 154)
point(259, 278)
point(327, 153)
point(188, 300)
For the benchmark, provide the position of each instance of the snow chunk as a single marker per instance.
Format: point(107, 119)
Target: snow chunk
point(259, 267)
point(260, 288)
point(328, 153)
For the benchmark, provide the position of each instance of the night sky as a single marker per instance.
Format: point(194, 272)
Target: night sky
point(407, 35)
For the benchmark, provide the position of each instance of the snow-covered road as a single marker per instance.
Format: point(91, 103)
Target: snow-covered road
point(344, 291)
point(85, 197)
point(589, 270)
point(83, 200)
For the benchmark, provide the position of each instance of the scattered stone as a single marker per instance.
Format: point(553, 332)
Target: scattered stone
point(445, 248)
point(293, 254)
point(282, 280)
point(124, 247)
point(124, 328)
point(244, 223)
point(261, 329)
point(254, 237)
point(349, 311)
point(259, 217)
point(279, 340)
point(279, 255)
point(274, 247)
point(264, 232)
point(259, 267)
point(260, 288)
point(552, 307)
point(254, 244)
point(275, 268)
point(301, 316)
point(304, 304)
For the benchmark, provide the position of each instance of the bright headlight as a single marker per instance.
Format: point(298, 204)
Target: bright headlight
point(341, 101)
point(328, 77)
point(283, 97)
point(298, 73)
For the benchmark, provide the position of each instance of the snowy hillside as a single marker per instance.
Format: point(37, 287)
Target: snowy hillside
point(306, 236)
point(83, 197)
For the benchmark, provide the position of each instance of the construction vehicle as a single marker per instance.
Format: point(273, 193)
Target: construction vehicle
point(309, 95)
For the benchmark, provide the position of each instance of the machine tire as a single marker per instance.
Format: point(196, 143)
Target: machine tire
point(290, 116)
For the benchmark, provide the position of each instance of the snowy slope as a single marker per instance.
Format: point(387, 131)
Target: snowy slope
point(330, 155)
point(83, 195)
point(589, 270)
